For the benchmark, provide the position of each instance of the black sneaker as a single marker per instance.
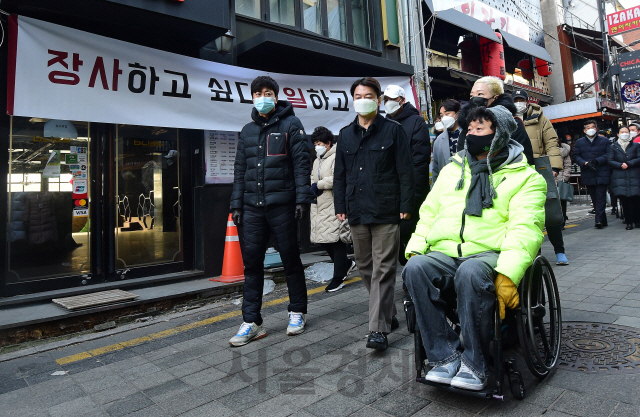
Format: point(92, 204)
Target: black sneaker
point(351, 268)
point(394, 323)
point(378, 341)
point(599, 225)
point(592, 211)
point(335, 284)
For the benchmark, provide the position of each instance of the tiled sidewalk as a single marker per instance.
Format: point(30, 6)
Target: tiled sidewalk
point(326, 371)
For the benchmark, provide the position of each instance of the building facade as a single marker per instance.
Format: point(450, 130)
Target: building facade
point(90, 201)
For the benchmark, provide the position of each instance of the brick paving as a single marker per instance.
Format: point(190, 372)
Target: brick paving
point(326, 371)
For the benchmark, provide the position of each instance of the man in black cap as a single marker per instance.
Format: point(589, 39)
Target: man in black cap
point(544, 142)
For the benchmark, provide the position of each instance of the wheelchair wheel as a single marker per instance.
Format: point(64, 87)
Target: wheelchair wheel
point(539, 318)
point(516, 385)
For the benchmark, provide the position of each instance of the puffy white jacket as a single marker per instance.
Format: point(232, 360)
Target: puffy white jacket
point(325, 226)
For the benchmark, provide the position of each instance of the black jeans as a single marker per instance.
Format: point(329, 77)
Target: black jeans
point(631, 209)
point(555, 237)
point(598, 195)
point(258, 225)
point(338, 253)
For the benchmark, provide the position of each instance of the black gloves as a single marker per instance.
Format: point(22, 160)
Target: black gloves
point(314, 188)
point(594, 163)
point(301, 211)
point(236, 215)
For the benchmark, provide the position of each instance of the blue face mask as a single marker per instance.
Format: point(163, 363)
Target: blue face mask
point(264, 104)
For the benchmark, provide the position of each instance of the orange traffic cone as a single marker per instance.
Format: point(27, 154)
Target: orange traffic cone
point(232, 265)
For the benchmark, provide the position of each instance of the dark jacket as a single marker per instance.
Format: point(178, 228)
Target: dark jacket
point(272, 161)
point(586, 151)
point(624, 182)
point(520, 135)
point(418, 134)
point(373, 178)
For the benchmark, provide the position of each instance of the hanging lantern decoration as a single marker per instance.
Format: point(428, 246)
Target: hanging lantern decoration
point(525, 69)
point(492, 54)
point(543, 67)
point(470, 55)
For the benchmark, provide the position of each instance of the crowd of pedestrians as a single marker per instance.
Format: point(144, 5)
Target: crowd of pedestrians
point(466, 239)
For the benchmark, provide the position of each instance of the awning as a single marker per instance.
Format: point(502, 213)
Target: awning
point(594, 37)
point(320, 58)
point(529, 48)
point(532, 93)
point(466, 22)
point(578, 117)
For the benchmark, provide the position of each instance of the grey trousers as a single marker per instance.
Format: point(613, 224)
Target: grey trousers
point(376, 250)
point(432, 280)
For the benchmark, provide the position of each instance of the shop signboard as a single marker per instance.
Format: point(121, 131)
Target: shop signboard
point(624, 20)
point(631, 92)
point(629, 66)
point(487, 14)
point(62, 73)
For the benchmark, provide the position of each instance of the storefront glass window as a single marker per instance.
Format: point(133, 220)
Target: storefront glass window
point(148, 214)
point(337, 19)
point(282, 11)
point(249, 8)
point(312, 15)
point(360, 19)
point(48, 184)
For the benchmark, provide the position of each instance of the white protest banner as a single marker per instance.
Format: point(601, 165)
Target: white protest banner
point(487, 14)
point(63, 73)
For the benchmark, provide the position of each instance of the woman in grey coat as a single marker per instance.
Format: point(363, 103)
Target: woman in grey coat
point(624, 159)
point(445, 145)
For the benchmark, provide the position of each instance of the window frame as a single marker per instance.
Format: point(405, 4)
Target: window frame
point(372, 9)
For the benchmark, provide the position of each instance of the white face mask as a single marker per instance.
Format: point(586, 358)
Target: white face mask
point(633, 134)
point(521, 106)
point(439, 126)
point(625, 137)
point(320, 150)
point(591, 132)
point(365, 106)
point(448, 121)
point(391, 106)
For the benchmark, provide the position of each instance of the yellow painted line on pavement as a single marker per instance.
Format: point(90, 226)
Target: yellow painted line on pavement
point(170, 332)
point(569, 226)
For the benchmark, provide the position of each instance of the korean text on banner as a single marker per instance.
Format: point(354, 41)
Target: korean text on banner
point(63, 73)
point(624, 20)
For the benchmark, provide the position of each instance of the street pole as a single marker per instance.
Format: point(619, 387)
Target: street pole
point(605, 46)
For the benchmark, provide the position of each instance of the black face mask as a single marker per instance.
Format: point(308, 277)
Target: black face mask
point(479, 101)
point(479, 144)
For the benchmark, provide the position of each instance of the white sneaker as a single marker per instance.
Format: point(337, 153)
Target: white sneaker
point(296, 323)
point(351, 268)
point(467, 379)
point(444, 373)
point(247, 333)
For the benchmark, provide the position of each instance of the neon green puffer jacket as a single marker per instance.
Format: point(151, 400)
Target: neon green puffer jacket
point(512, 227)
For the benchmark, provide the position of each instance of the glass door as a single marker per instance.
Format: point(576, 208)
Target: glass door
point(48, 211)
point(148, 217)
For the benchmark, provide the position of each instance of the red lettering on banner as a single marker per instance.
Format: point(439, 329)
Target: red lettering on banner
point(299, 102)
point(116, 72)
point(98, 68)
point(64, 77)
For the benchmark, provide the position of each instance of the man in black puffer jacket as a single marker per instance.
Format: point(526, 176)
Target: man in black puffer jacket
point(489, 92)
point(417, 132)
point(271, 190)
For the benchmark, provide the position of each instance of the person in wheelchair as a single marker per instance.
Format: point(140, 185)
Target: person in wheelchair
point(480, 229)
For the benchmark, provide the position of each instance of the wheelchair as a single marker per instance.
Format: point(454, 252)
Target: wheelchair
point(533, 330)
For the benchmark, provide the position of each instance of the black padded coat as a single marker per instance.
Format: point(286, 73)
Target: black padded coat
point(418, 134)
point(586, 151)
point(272, 161)
point(373, 176)
point(624, 182)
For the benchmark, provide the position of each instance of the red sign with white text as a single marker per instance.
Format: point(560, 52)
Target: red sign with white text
point(624, 21)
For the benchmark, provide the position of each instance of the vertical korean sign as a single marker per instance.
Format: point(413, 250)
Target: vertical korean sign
point(220, 155)
point(61, 73)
